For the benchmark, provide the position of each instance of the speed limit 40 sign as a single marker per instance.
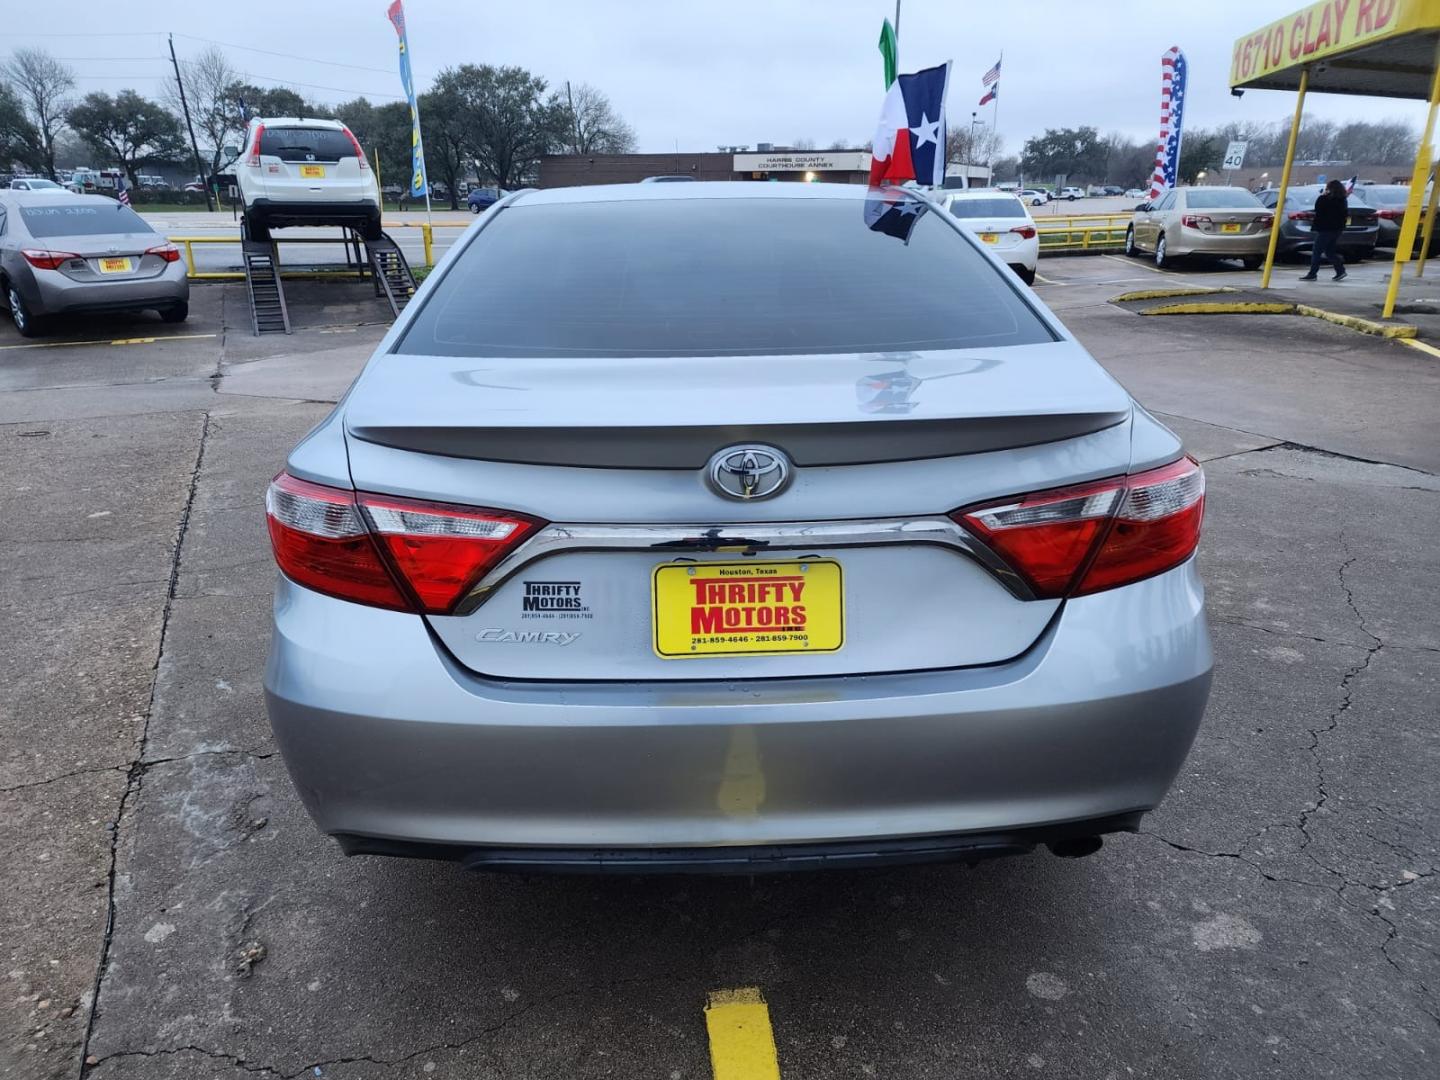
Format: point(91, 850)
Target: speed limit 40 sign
point(1235, 155)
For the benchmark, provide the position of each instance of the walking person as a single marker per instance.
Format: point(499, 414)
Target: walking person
point(1332, 211)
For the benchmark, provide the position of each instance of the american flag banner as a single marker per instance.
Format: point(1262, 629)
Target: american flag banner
point(992, 75)
point(1172, 109)
point(121, 192)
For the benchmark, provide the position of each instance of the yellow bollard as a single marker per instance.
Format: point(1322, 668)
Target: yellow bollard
point(427, 232)
point(1428, 228)
point(1285, 178)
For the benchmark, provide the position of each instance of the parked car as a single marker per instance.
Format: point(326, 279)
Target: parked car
point(482, 198)
point(1135, 193)
point(665, 179)
point(1071, 193)
point(1112, 189)
point(1217, 222)
point(1296, 239)
point(39, 185)
point(1033, 196)
point(1002, 222)
point(305, 172)
point(85, 253)
point(1391, 202)
point(845, 555)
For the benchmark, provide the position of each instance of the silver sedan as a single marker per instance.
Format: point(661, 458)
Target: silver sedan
point(727, 526)
point(84, 254)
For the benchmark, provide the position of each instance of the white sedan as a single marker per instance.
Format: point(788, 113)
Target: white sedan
point(1001, 221)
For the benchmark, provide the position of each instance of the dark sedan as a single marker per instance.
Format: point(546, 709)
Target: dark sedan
point(1296, 237)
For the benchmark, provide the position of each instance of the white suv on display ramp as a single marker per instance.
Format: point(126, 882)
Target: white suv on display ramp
point(309, 171)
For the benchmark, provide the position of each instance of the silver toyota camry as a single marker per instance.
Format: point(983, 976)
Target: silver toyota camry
point(727, 526)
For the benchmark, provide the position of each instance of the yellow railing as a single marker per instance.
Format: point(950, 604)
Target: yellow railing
point(1066, 238)
point(427, 234)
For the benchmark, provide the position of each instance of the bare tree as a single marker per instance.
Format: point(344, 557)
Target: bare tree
point(591, 125)
point(211, 90)
point(803, 144)
point(44, 86)
point(841, 144)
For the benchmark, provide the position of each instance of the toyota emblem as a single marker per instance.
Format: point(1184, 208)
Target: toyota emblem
point(749, 472)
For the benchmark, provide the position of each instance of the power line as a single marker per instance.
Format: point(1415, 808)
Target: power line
point(287, 56)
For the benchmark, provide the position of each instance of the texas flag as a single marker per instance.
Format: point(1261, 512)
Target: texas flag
point(910, 138)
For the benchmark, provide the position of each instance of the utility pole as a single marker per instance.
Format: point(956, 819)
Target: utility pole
point(194, 146)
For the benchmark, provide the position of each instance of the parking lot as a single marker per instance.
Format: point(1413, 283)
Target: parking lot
point(172, 912)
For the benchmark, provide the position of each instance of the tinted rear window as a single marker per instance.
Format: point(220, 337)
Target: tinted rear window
point(715, 277)
point(44, 221)
point(1387, 195)
point(1219, 198)
point(1005, 207)
point(306, 144)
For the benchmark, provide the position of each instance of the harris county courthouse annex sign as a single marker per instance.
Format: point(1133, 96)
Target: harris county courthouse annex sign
point(804, 161)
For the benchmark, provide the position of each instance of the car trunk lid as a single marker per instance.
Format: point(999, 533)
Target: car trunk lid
point(643, 562)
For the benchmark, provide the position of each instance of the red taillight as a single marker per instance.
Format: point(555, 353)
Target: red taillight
point(1266, 221)
point(1026, 232)
point(402, 554)
point(1082, 539)
point(1191, 221)
point(1302, 215)
point(169, 252)
point(47, 260)
point(1390, 215)
point(254, 162)
point(360, 154)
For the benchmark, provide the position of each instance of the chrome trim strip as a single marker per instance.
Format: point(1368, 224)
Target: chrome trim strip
point(743, 539)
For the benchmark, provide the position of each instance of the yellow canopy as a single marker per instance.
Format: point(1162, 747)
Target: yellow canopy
point(1384, 48)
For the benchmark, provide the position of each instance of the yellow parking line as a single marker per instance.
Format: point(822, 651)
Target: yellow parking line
point(107, 341)
point(1414, 344)
point(742, 1046)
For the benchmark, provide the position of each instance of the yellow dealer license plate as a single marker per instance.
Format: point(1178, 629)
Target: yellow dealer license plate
point(1230, 226)
point(990, 237)
point(114, 266)
point(312, 172)
point(747, 608)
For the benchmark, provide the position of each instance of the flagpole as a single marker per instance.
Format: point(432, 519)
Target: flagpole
point(897, 35)
point(995, 125)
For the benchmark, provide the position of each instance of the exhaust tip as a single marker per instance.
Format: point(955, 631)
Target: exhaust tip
point(1076, 847)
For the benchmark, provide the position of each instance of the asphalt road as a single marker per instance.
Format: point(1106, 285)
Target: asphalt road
point(1279, 916)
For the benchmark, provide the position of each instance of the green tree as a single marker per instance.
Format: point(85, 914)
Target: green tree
point(251, 101)
point(511, 122)
point(447, 119)
point(43, 84)
point(131, 128)
point(19, 140)
point(1075, 153)
point(1199, 150)
point(382, 130)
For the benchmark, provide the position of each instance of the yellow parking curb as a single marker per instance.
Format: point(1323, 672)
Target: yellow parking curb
point(1355, 322)
point(1165, 294)
point(1233, 307)
point(1394, 331)
point(742, 1046)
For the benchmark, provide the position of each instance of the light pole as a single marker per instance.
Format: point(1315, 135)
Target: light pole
point(970, 147)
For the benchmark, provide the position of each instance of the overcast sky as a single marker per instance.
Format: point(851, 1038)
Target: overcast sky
point(699, 73)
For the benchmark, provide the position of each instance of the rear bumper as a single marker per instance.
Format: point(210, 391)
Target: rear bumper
point(277, 214)
point(56, 294)
point(391, 745)
point(1218, 245)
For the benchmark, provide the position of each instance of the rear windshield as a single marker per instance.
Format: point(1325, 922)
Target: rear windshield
point(1387, 194)
point(43, 221)
point(1219, 198)
point(715, 277)
point(1001, 207)
point(1304, 199)
point(306, 144)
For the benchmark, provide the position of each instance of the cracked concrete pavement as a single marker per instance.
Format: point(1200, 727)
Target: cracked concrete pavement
point(1279, 916)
